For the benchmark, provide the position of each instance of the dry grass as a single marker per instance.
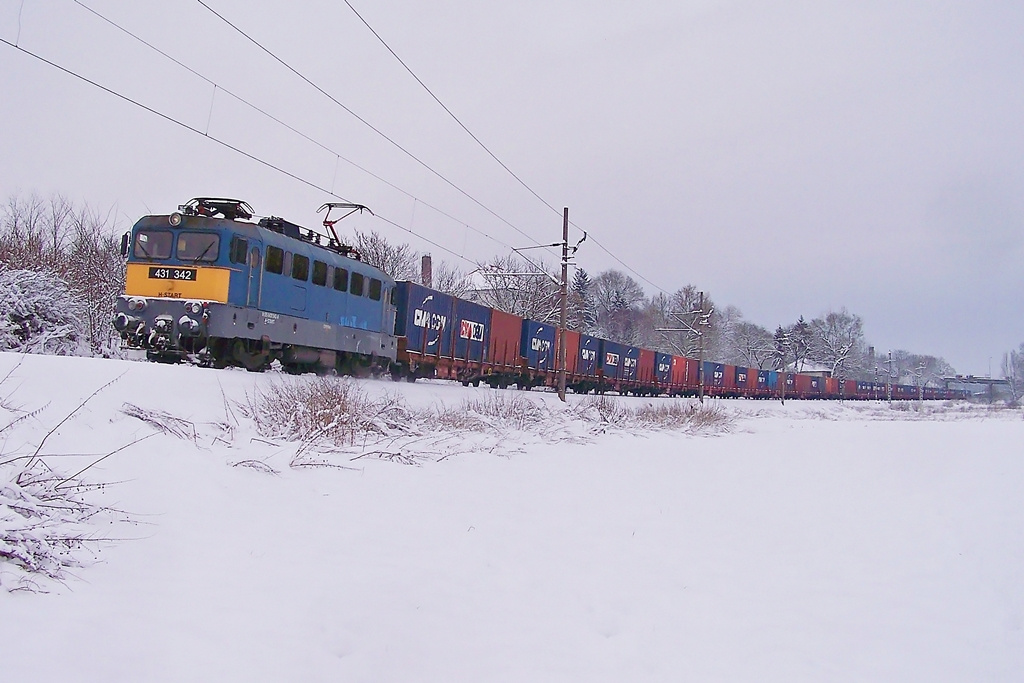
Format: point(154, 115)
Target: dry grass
point(498, 411)
point(334, 409)
point(328, 416)
point(669, 414)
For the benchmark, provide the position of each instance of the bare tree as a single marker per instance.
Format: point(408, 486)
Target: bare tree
point(617, 301)
point(400, 261)
point(97, 272)
point(752, 346)
point(1013, 372)
point(522, 288)
point(690, 321)
point(837, 341)
point(451, 280)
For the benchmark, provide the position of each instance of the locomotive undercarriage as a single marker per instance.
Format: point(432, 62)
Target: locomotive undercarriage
point(220, 335)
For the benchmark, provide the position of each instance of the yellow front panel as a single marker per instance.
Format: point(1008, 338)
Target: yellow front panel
point(210, 284)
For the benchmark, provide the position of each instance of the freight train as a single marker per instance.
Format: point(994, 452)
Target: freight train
point(210, 283)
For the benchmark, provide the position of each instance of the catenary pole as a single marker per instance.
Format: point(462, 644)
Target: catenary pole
point(700, 340)
point(564, 304)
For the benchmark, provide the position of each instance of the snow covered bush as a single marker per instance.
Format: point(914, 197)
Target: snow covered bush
point(334, 409)
point(499, 410)
point(76, 244)
point(39, 313)
point(46, 526)
point(663, 413)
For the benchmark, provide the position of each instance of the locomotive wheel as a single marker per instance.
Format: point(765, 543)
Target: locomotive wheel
point(253, 362)
point(219, 353)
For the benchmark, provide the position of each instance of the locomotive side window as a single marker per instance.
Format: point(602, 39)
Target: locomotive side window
point(153, 244)
point(319, 273)
point(341, 279)
point(239, 249)
point(375, 286)
point(356, 288)
point(287, 262)
point(198, 246)
point(275, 260)
point(300, 267)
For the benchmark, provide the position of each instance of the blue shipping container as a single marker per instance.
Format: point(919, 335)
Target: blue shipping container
point(631, 363)
point(424, 319)
point(538, 345)
point(714, 374)
point(587, 356)
point(612, 359)
point(471, 328)
point(662, 367)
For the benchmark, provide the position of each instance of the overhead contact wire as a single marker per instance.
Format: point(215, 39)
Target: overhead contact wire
point(284, 124)
point(450, 112)
point(217, 140)
point(364, 121)
point(483, 146)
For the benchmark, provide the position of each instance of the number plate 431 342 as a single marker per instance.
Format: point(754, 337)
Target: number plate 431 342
point(157, 273)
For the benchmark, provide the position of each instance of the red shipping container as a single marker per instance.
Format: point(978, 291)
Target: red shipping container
point(803, 386)
point(751, 388)
point(572, 351)
point(849, 388)
point(692, 377)
point(506, 331)
point(677, 376)
point(645, 369)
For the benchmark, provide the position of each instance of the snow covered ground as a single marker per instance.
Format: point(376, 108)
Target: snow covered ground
point(805, 542)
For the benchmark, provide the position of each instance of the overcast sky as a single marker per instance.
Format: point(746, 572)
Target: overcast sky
point(786, 157)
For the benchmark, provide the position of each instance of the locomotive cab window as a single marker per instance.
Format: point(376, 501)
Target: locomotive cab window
point(341, 279)
point(319, 273)
point(239, 249)
point(375, 286)
point(275, 260)
point(198, 246)
point(356, 286)
point(153, 244)
point(300, 267)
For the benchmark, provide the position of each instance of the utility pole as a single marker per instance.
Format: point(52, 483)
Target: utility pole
point(565, 304)
point(700, 343)
point(563, 287)
point(888, 384)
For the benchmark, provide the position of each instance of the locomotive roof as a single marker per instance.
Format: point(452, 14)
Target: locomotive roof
point(238, 211)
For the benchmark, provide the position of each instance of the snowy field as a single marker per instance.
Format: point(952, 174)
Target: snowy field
point(805, 542)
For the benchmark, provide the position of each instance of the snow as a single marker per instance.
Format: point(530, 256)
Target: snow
point(809, 541)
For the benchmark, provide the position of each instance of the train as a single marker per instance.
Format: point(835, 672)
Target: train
point(212, 284)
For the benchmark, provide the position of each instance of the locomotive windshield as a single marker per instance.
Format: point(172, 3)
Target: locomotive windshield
point(198, 246)
point(153, 244)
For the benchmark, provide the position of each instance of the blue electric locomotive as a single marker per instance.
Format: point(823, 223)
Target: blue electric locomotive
point(210, 283)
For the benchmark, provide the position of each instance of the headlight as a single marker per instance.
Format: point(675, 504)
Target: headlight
point(193, 307)
point(136, 304)
point(174, 219)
